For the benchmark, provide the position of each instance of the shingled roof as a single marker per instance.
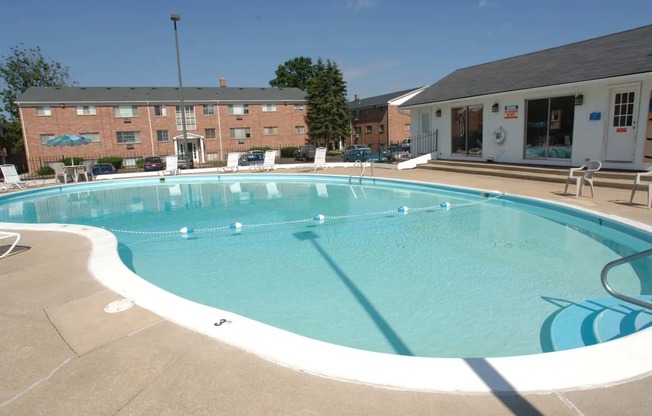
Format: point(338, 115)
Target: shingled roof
point(620, 54)
point(156, 95)
point(379, 100)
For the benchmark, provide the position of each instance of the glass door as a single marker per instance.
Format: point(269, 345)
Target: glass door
point(549, 131)
point(466, 130)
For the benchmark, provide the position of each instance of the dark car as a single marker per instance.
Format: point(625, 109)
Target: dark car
point(153, 163)
point(363, 155)
point(186, 162)
point(103, 169)
point(251, 159)
point(305, 153)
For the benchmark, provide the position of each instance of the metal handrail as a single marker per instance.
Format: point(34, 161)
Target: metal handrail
point(363, 166)
point(612, 292)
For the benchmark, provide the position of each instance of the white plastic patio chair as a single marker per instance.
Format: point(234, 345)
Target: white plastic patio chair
point(270, 161)
point(8, 234)
point(231, 163)
point(87, 170)
point(171, 166)
point(12, 179)
point(643, 182)
point(586, 177)
point(320, 159)
point(60, 172)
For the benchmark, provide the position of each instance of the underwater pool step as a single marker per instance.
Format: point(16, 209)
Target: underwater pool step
point(595, 321)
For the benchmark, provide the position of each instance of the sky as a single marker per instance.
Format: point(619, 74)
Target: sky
point(381, 46)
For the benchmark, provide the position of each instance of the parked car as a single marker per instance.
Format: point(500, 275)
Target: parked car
point(395, 153)
point(305, 153)
point(353, 147)
point(103, 169)
point(364, 155)
point(253, 158)
point(153, 163)
point(185, 162)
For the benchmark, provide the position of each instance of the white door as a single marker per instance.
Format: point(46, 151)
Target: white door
point(621, 127)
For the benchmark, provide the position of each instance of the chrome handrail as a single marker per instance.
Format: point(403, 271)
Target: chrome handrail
point(363, 166)
point(612, 292)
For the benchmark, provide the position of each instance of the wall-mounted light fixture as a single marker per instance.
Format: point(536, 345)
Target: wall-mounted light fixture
point(63, 106)
point(494, 108)
point(579, 99)
point(438, 113)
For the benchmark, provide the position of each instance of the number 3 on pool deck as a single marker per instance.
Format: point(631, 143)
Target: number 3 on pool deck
point(222, 321)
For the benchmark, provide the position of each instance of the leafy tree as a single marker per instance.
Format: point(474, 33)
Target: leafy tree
point(295, 73)
point(328, 111)
point(21, 69)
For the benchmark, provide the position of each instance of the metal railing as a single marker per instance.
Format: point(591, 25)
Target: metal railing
point(362, 165)
point(611, 291)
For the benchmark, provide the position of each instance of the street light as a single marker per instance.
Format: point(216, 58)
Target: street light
point(175, 18)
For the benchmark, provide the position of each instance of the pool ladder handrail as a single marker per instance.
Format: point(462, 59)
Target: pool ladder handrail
point(612, 292)
point(363, 166)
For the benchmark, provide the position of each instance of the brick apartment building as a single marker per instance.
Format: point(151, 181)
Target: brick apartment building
point(377, 121)
point(134, 122)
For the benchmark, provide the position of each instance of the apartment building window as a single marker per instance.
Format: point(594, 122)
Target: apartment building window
point(238, 109)
point(93, 135)
point(43, 111)
point(162, 136)
point(125, 111)
point(381, 128)
point(300, 129)
point(270, 131)
point(160, 111)
point(86, 110)
point(269, 108)
point(46, 137)
point(209, 109)
point(209, 133)
point(298, 107)
point(358, 129)
point(407, 127)
point(124, 137)
point(191, 122)
point(239, 133)
point(368, 129)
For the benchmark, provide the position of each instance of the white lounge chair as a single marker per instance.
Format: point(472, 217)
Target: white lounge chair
point(231, 163)
point(7, 234)
point(586, 177)
point(171, 166)
point(270, 161)
point(12, 179)
point(320, 159)
point(643, 182)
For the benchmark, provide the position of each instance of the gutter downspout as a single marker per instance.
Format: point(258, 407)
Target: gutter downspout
point(24, 132)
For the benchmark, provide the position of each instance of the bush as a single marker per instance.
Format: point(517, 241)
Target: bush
point(115, 161)
point(75, 160)
point(288, 152)
point(45, 171)
point(140, 163)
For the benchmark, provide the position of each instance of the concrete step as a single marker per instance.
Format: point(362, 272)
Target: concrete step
point(611, 179)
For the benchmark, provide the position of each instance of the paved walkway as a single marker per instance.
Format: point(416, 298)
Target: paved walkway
point(61, 354)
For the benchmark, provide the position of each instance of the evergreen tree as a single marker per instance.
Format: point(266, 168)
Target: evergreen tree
point(328, 111)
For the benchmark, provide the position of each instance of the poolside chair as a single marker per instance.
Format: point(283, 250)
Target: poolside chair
point(588, 170)
point(12, 179)
point(60, 172)
point(231, 163)
point(320, 159)
point(8, 234)
point(87, 170)
point(643, 182)
point(270, 161)
point(171, 166)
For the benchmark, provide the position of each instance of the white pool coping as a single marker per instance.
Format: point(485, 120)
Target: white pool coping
point(595, 366)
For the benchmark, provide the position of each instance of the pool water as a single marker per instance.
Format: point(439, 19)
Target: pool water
point(476, 278)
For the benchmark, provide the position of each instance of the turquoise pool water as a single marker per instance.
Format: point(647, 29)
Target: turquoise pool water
point(476, 279)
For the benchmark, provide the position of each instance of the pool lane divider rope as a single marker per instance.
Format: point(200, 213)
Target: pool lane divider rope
point(237, 227)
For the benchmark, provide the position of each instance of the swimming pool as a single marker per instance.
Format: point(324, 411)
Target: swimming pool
point(334, 255)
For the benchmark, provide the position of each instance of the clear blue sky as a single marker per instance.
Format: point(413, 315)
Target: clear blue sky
point(381, 46)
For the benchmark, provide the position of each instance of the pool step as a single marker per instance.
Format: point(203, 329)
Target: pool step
point(595, 321)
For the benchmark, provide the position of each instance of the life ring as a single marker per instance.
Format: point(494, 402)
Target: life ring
point(500, 135)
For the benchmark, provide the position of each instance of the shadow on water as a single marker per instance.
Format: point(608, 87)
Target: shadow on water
point(126, 255)
point(376, 317)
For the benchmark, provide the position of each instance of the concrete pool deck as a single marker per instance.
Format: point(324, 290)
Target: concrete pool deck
point(62, 354)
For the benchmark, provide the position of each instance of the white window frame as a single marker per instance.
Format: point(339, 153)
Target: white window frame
point(44, 111)
point(238, 109)
point(300, 129)
point(162, 136)
point(93, 135)
point(125, 111)
point(124, 137)
point(269, 108)
point(86, 110)
point(270, 131)
point(240, 133)
point(160, 111)
point(299, 107)
point(212, 135)
point(208, 109)
point(45, 137)
point(191, 120)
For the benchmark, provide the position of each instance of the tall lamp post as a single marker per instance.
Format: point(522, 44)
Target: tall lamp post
point(175, 18)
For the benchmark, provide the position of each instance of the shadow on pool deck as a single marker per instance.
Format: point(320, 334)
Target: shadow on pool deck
point(61, 354)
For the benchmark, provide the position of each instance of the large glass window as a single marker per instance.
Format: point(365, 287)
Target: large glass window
point(466, 130)
point(191, 122)
point(123, 137)
point(239, 133)
point(125, 111)
point(43, 111)
point(549, 131)
point(86, 110)
point(238, 109)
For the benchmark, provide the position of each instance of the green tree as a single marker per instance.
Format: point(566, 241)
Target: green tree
point(328, 110)
point(21, 69)
point(295, 73)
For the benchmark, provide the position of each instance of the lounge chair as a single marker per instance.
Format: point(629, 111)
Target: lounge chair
point(12, 179)
point(270, 161)
point(171, 166)
point(320, 159)
point(588, 170)
point(231, 163)
point(7, 234)
point(643, 182)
